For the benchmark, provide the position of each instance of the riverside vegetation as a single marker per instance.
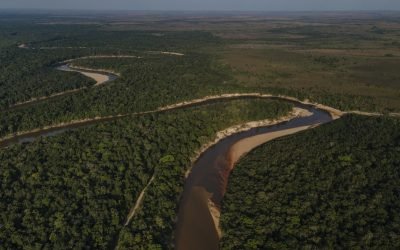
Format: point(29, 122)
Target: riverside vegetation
point(337, 188)
point(75, 190)
point(87, 180)
point(349, 72)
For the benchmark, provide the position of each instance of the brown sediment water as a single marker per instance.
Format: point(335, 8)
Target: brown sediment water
point(30, 136)
point(197, 225)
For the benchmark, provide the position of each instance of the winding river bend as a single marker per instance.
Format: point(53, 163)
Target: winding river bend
point(206, 185)
point(31, 136)
point(197, 225)
point(99, 76)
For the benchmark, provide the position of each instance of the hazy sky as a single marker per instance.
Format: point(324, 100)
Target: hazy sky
point(205, 4)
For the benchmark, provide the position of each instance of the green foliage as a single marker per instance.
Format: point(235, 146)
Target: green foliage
point(75, 190)
point(167, 159)
point(337, 188)
point(26, 74)
point(146, 84)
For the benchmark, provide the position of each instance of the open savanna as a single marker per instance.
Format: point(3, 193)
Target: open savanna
point(350, 64)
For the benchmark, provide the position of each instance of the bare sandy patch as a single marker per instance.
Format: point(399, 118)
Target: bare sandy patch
point(242, 147)
point(101, 57)
point(166, 53)
point(99, 78)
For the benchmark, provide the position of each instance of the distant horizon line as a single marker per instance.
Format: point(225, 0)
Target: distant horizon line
point(191, 10)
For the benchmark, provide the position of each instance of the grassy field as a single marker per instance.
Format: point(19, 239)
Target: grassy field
point(353, 61)
point(74, 190)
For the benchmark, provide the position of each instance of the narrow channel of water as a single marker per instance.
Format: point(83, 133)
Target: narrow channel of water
point(209, 176)
point(32, 136)
point(208, 179)
point(63, 67)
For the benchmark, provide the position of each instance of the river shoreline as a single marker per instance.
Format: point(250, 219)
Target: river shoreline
point(241, 149)
point(160, 109)
point(296, 112)
point(83, 70)
point(335, 113)
point(99, 76)
point(94, 74)
point(206, 179)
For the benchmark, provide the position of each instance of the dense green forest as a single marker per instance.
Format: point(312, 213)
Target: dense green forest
point(75, 190)
point(154, 79)
point(338, 187)
point(29, 72)
point(333, 187)
point(26, 74)
point(146, 84)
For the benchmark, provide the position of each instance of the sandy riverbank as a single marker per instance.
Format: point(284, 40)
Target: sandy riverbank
point(166, 53)
point(335, 113)
point(101, 57)
point(296, 112)
point(242, 148)
point(83, 70)
point(97, 77)
point(239, 150)
point(198, 226)
point(220, 135)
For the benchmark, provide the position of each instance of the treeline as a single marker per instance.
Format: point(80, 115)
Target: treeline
point(26, 74)
point(29, 73)
point(333, 187)
point(145, 84)
point(134, 40)
point(74, 190)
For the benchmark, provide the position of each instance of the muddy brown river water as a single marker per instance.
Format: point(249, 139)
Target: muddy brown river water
point(208, 179)
point(196, 228)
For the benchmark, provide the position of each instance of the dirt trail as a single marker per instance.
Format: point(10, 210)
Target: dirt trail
point(136, 207)
point(132, 213)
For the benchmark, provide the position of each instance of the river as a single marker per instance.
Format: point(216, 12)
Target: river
point(207, 181)
point(99, 76)
point(196, 229)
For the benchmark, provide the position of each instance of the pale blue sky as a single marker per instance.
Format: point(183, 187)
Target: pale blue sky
point(261, 5)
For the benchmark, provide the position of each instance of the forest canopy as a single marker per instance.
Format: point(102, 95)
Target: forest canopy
point(75, 190)
point(340, 189)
